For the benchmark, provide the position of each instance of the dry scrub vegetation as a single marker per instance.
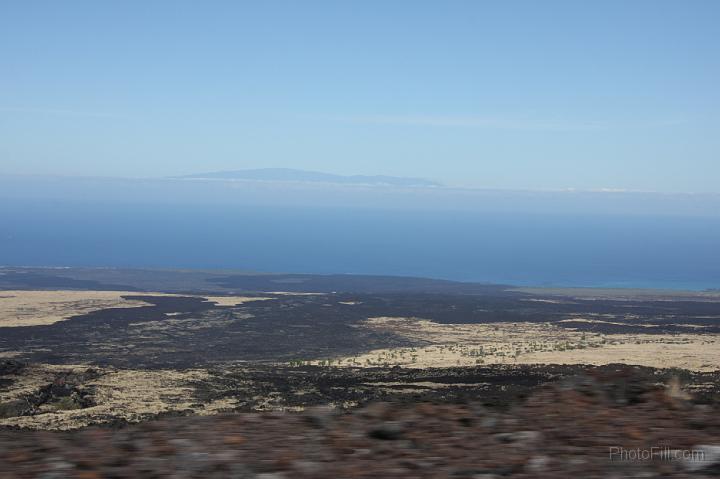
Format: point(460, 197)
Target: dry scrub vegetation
point(131, 395)
point(446, 345)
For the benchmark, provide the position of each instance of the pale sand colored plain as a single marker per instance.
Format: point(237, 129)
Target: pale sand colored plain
point(446, 345)
point(295, 293)
point(38, 308)
point(132, 395)
point(639, 324)
point(232, 300)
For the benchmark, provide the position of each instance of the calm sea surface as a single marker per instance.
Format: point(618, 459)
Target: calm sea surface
point(551, 250)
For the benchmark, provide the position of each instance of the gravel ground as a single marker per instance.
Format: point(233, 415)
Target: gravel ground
point(590, 426)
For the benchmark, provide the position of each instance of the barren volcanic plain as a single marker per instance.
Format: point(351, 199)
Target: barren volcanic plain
point(109, 346)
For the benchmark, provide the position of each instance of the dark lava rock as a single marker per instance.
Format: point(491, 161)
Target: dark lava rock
point(18, 407)
point(557, 432)
point(390, 431)
point(10, 366)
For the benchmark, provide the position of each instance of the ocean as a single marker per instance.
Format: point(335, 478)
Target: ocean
point(632, 251)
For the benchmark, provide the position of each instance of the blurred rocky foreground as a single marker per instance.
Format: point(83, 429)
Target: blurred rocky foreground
point(603, 423)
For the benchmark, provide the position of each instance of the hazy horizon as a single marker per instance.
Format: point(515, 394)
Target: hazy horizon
point(568, 238)
point(226, 175)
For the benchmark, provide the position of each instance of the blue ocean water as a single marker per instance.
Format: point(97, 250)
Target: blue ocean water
point(522, 249)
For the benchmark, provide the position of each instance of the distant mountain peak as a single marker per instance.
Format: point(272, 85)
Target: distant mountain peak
point(289, 174)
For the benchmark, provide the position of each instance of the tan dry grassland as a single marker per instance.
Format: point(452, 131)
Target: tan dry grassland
point(446, 345)
point(132, 395)
point(38, 308)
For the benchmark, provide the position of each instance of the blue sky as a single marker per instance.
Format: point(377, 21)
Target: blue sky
point(500, 94)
